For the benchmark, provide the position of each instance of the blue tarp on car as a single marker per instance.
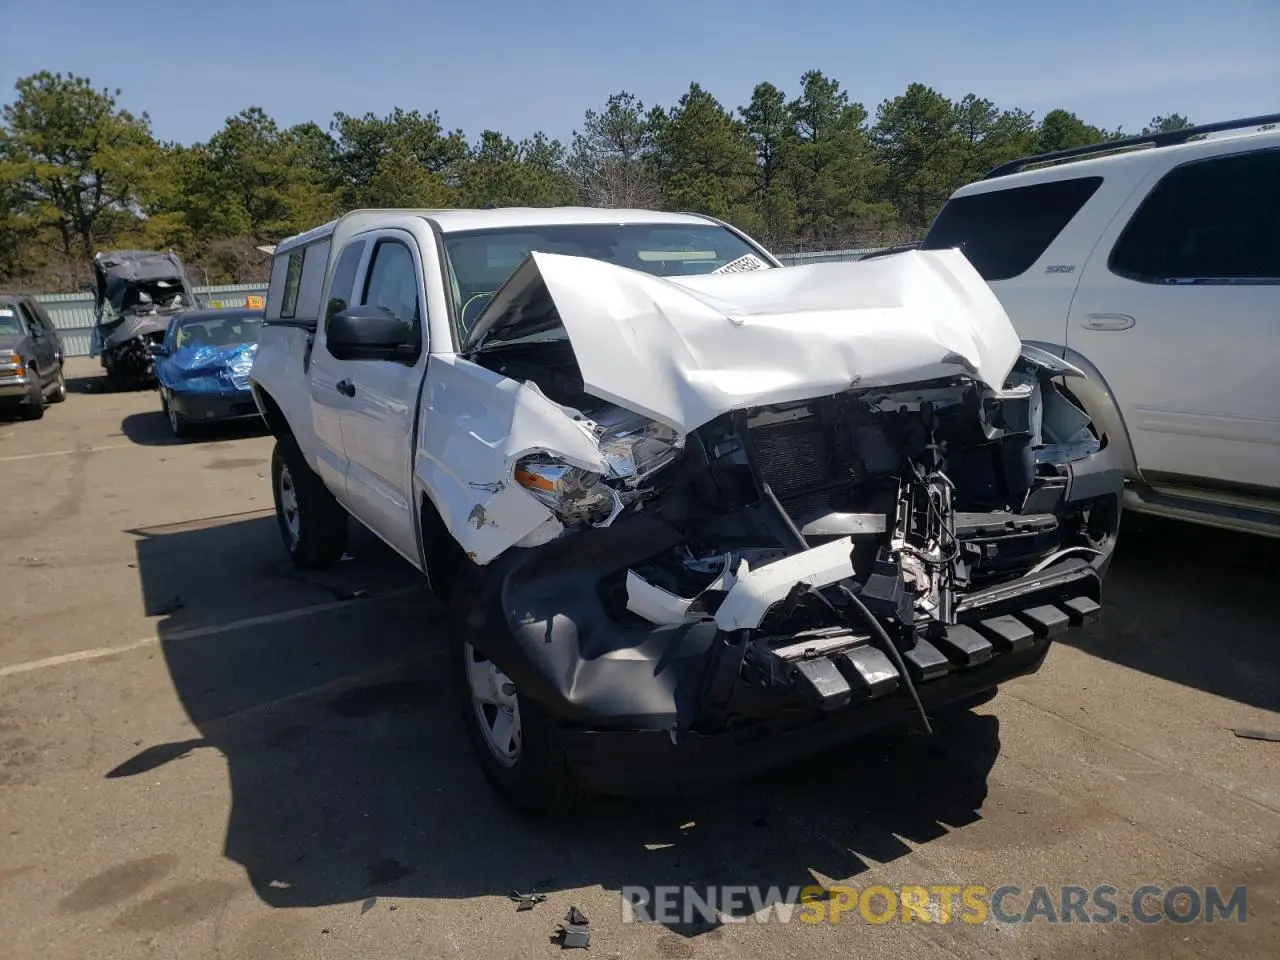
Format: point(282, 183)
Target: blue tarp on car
point(207, 369)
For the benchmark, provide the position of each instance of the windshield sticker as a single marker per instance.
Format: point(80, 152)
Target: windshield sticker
point(5, 312)
point(742, 264)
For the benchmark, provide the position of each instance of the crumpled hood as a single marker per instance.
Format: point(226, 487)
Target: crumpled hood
point(684, 351)
point(135, 325)
point(207, 368)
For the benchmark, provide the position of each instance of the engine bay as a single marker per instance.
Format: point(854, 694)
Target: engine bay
point(941, 488)
point(759, 507)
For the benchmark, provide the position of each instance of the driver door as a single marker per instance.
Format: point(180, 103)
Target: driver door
point(44, 345)
point(328, 399)
point(381, 406)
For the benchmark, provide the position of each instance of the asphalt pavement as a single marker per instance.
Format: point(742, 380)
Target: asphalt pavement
point(205, 753)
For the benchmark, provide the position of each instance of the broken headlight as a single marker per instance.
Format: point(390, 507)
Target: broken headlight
point(632, 452)
point(636, 449)
point(574, 495)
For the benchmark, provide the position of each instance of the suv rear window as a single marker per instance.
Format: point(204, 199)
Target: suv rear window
point(1003, 232)
point(1215, 220)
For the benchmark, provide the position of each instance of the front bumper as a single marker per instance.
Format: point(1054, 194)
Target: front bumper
point(1003, 633)
point(636, 762)
point(214, 407)
point(14, 387)
point(628, 696)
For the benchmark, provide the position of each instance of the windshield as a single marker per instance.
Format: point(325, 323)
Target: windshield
point(217, 331)
point(9, 322)
point(481, 260)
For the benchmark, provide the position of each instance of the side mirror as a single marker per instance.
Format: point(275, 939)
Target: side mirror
point(370, 333)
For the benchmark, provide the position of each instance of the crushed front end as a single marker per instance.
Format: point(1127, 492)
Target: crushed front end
point(791, 575)
point(136, 294)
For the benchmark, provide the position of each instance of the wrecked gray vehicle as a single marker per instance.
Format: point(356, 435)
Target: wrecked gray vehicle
point(136, 294)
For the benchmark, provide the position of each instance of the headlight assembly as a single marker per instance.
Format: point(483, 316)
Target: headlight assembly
point(639, 448)
point(633, 450)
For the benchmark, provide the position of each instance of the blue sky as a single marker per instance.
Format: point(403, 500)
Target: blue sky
point(522, 65)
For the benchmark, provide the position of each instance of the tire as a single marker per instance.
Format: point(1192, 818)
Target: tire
point(313, 525)
point(534, 778)
point(33, 407)
point(178, 424)
point(60, 392)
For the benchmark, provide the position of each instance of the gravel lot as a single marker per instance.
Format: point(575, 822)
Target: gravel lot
point(204, 753)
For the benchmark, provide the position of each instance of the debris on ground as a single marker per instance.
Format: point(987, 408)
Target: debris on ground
point(1272, 735)
point(573, 932)
point(526, 901)
point(368, 905)
point(352, 594)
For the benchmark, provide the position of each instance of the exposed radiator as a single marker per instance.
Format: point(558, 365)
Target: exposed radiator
point(792, 456)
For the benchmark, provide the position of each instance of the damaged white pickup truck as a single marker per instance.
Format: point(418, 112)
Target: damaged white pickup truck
point(697, 514)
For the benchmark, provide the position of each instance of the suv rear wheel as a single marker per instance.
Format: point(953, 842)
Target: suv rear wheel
point(312, 523)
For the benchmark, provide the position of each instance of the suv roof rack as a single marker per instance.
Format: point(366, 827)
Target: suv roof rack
point(1167, 139)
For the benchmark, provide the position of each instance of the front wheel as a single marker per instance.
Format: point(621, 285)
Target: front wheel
point(178, 424)
point(312, 523)
point(60, 387)
point(33, 408)
point(514, 740)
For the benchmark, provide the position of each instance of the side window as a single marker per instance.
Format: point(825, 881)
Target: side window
point(1003, 232)
point(344, 279)
point(40, 317)
point(392, 282)
point(1209, 220)
point(311, 282)
point(30, 322)
point(292, 280)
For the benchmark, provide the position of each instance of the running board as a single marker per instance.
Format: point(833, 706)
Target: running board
point(1210, 513)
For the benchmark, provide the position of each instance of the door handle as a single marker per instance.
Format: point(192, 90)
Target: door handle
point(1107, 321)
point(346, 387)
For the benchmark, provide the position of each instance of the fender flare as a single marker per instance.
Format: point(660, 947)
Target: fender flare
point(271, 413)
point(441, 557)
point(1097, 398)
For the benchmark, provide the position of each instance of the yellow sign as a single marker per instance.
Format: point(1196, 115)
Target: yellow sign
point(254, 303)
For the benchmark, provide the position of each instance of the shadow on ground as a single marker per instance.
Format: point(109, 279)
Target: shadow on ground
point(151, 429)
point(100, 384)
point(351, 775)
point(1193, 605)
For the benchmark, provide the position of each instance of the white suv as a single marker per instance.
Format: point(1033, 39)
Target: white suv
point(1154, 265)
